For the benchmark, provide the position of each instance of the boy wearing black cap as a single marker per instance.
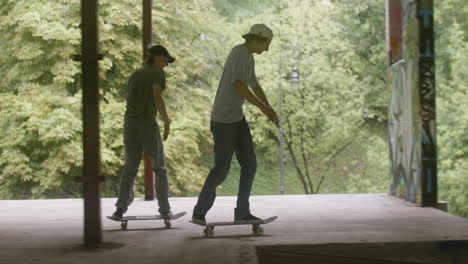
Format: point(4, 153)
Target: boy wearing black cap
point(231, 132)
point(141, 130)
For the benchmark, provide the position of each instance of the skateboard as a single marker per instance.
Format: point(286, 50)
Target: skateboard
point(256, 228)
point(124, 220)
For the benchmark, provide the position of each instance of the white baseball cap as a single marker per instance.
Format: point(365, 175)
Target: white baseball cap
point(259, 30)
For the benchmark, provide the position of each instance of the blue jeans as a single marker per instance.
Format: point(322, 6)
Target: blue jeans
point(230, 138)
point(142, 134)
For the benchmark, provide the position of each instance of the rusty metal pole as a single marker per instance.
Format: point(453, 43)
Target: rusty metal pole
point(90, 179)
point(147, 41)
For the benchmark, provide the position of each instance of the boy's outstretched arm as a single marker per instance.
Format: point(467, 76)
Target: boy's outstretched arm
point(242, 90)
point(258, 91)
point(161, 107)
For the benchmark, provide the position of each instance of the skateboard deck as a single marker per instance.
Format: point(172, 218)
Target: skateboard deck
point(256, 225)
point(124, 220)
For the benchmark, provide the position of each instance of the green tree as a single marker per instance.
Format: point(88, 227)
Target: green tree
point(40, 120)
point(452, 97)
point(40, 149)
point(363, 24)
point(334, 122)
point(323, 116)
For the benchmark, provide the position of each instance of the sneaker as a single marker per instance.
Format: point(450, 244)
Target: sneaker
point(249, 218)
point(118, 214)
point(199, 219)
point(167, 215)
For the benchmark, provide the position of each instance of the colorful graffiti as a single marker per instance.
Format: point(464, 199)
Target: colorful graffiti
point(411, 116)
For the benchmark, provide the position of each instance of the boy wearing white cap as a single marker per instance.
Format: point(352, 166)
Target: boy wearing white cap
point(231, 132)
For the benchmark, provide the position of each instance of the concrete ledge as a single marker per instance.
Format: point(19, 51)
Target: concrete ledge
point(51, 231)
point(442, 205)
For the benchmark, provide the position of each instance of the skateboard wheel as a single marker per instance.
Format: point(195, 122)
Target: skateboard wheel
point(123, 225)
point(209, 232)
point(257, 230)
point(260, 231)
point(167, 223)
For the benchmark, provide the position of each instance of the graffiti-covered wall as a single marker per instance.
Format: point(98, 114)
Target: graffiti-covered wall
point(411, 115)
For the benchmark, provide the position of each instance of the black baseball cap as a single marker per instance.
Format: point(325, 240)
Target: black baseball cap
point(160, 50)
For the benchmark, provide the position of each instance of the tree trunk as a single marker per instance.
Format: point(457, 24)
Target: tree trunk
point(296, 163)
point(306, 166)
point(298, 169)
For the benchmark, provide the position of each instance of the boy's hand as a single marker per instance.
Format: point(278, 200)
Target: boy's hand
point(166, 130)
point(270, 114)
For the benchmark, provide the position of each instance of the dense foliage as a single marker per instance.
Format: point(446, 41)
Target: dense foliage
point(334, 120)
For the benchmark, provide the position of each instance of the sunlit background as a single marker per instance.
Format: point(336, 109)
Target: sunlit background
point(334, 118)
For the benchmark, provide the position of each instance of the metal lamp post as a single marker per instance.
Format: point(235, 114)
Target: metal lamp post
point(281, 137)
point(294, 80)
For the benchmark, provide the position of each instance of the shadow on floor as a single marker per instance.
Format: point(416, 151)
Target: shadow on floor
point(440, 252)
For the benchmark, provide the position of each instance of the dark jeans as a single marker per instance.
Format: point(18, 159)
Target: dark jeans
point(230, 138)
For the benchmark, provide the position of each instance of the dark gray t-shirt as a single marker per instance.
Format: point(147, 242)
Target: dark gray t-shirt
point(140, 100)
point(240, 65)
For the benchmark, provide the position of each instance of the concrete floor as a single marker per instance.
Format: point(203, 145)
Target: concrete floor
point(51, 231)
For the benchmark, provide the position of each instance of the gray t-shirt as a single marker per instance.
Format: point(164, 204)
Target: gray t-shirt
point(240, 65)
point(140, 100)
